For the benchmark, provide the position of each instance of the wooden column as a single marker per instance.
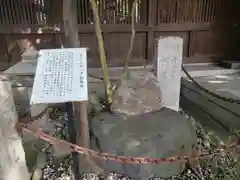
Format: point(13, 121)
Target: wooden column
point(12, 155)
point(152, 14)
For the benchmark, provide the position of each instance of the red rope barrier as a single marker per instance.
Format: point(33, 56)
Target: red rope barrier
point(122, 159)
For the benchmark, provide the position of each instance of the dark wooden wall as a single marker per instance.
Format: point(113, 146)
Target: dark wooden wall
point(209, 28)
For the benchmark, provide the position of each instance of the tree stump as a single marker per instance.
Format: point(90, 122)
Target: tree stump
point(12, 155)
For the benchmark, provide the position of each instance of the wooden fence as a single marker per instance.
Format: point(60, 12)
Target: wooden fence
point(199, 22)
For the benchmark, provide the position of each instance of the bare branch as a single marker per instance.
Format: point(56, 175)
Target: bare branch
point(103, 57)
point(132, 37)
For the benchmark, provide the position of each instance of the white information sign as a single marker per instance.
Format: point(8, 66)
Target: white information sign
point(61, 76)
point(169, 61)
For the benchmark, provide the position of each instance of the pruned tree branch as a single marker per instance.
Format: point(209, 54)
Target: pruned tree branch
point(103, 57)
point(132, 37)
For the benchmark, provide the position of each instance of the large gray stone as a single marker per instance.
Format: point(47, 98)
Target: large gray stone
point(157, 134)
point(138, 94)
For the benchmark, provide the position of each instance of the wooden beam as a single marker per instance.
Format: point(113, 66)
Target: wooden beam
point(183, 27)
point(109, 28)
point(86, 28)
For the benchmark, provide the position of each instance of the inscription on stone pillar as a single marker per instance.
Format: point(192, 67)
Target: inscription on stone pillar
point(169, 61)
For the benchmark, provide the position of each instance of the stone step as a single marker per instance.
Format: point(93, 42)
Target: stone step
point(231, 64)
point(226, 113)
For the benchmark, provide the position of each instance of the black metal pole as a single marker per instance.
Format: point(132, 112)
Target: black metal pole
point(72, 138)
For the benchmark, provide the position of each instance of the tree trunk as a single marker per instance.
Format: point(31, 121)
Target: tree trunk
point(12, 155)
point(72, 41)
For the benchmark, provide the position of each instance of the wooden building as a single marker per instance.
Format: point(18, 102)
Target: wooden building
point(210, 28)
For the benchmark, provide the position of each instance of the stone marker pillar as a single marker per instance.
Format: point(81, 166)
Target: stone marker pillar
point(12, 155)
point(169, 61)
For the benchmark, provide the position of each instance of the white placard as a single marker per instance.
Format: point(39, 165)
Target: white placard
point(169, 61)
point(61, 76)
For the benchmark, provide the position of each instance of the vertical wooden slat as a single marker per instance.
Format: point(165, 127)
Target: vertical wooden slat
point(172, 11)
point(27, 10)
point(37, 15)
point(107, 12)
point(159, 18)
point(126, 11)
point(180, 18)
point(175, 11)
point(78, 13)
point(172, 7)
point(18, 12)
point(214, 6)
point(189, 11)
point(2, 13)
point(167, 13)
point(207, 11)
point(83, 6)
point(120, 14)
point(178, 12)
point(136, 14)
point(214, 10)
point(115, 12)
point(41, 15)
point(203, 10)
point(23, 9)
point(193, 9)
point(196, 7)
point(32, 13)
point(80, 10)
point(12, 12)
point(211, 6)
point(7, 14)
point(47, 5)
point(5, 2)
point(185, 11)
point(85, 10)
point(200, 11)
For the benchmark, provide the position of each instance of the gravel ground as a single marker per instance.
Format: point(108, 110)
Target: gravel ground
point(218, 167)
